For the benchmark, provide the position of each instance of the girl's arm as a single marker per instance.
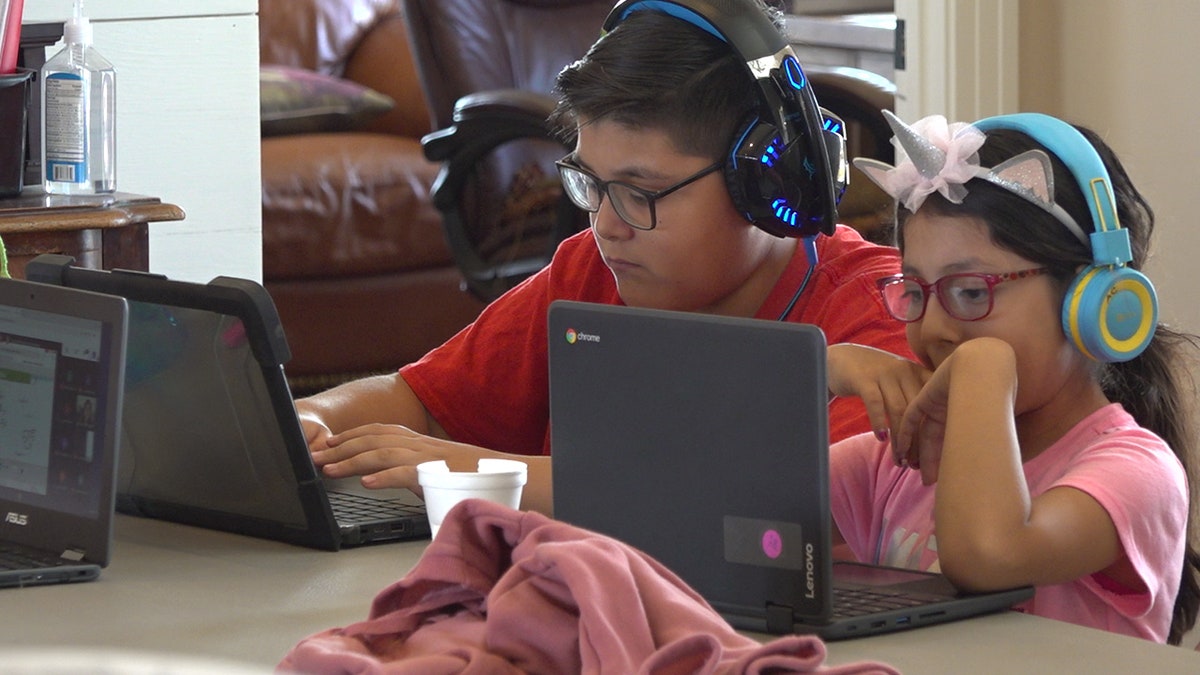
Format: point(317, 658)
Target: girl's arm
point(990, 533)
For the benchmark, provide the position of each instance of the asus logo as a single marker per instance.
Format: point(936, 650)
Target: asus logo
point(16, 518)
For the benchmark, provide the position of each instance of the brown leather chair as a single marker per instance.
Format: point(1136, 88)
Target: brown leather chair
point(487, 69)
point(858, 96)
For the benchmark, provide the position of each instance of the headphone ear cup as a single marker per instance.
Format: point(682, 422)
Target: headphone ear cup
point(760, 179)
point(1110, 313)
point(737, 179)
point(774, 187)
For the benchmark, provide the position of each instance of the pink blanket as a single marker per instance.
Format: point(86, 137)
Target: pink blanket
point(503, 591)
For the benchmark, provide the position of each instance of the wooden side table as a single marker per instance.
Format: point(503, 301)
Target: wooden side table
point(100, 231)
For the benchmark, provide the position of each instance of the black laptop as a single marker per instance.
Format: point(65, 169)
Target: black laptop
point(210, 434)
point(703, 441)
point(62, 352)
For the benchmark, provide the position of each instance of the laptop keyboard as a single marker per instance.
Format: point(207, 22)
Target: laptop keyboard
point(14, 557)
point(856, 601)
point(349, 506)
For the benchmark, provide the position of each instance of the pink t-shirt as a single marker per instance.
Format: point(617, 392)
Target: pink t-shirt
point(489, 384)
point(885, 515)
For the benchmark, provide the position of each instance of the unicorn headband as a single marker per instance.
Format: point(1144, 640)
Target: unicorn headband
point(942, 157)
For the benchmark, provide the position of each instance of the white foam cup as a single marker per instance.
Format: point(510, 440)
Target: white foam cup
point(498, 480)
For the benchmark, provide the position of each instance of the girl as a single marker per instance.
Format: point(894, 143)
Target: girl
point(1028, 446)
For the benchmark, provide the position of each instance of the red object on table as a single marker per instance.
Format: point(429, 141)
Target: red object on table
point(12, 37)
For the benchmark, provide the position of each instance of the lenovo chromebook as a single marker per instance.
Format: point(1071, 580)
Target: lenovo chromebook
point(703, 441)
point(62, 353)
point(211, 436)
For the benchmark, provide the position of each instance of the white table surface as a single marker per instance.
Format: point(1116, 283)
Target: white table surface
point(177, 598)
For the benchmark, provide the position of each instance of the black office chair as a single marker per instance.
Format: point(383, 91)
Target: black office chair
point(488, 68)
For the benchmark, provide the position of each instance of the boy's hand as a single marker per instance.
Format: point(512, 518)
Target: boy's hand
point(316, 433)
point(387, 455)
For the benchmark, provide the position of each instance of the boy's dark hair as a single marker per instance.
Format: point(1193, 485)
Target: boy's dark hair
point(655, 71)
point(1155, 387)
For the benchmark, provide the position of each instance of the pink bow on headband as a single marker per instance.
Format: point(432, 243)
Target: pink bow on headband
point(941, 158)
point(936, 156)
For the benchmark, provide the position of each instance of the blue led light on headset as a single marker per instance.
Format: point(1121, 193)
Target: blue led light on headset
point(771, 153)
point(793, 72)
point(785, 212)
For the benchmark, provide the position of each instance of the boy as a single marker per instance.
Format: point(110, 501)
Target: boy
point(654, 107)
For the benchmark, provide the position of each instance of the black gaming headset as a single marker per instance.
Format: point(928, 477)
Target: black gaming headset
point(1111, 310)
point(787, 168)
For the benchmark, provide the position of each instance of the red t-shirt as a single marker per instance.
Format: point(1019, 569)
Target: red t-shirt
point(489, 384)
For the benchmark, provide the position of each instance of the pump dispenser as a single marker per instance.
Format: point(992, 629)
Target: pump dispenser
point(79, 115)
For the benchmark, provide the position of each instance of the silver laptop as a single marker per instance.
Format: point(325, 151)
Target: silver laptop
point(703, 441)
point(211, 435)
point(62, 354)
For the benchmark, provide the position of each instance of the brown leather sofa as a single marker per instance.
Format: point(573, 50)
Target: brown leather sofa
point(353, 250)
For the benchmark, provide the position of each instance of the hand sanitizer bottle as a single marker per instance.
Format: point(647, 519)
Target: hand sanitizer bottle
point(78, 115)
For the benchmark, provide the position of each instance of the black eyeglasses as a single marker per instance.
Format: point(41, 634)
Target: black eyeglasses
point(633, 204)
point(966, 297)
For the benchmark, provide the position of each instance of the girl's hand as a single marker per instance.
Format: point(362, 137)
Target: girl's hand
point(922, 428)
point(885, 382)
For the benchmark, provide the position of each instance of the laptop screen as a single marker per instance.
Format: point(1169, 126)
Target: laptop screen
point(53, 399)
point(215, 444)
point(210, 434)
point(693, 437)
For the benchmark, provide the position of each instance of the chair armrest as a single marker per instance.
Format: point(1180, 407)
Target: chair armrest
point(483, 122)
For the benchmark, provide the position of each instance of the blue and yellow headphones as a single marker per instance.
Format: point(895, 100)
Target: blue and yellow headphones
point(787, 168)
point(1111, 310)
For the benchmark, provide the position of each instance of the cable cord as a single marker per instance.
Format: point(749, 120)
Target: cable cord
point(810, 249)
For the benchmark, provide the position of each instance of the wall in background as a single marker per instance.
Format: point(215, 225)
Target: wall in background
point(1127, 70)
point(187, 123)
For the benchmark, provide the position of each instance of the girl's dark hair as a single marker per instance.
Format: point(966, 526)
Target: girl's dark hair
point(655, 71)
point(1155, 388)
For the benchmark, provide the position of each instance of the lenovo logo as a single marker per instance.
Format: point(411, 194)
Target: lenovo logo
point(16, 518)
point(810, 583)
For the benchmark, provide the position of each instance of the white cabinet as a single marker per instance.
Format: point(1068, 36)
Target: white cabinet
point(187, 123)
point(864, 41)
